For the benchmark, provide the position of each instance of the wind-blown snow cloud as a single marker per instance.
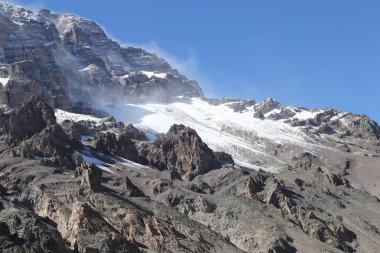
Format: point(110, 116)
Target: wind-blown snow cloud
point(188, 66)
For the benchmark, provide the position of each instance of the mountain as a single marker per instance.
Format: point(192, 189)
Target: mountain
point(65, 59)
point(107, 148)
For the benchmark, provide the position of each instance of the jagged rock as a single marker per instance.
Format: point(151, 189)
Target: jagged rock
point(133, 133)
point(258, 115)
point(75, 130)
point(220, 101)
point(133, 190)
point(278, 198)
point(198, 204)
point(325, 116)
point(241, 105)
point(23, 231)
point(51, 141)
point(337, 180)
point(254, 185)
point(57, 161)
point(334, 234)
point(181, 149)
point(199, 186)
point(202, 205)
point(37, 77)
point(284, 113)
point(362, 127)
point(120, 145)
point(26, 120)
point(267, 105)
point(224, 157)
point(325, 129)
point(91, 176)
point(89, 232)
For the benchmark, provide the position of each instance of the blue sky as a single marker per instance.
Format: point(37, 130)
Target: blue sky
point(309, 53)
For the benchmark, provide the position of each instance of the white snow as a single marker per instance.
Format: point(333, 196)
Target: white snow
point(149, 74)
point(62, 115)
point(304, 115)
point(100, 164)
point(237, 133)
point(4, 81)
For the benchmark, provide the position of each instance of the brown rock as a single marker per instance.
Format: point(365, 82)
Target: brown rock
point(120, 145)
point(26, 120)
point(91, 176)
point(181, 149)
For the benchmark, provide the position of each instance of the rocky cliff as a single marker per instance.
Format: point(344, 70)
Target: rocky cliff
point(65, 59)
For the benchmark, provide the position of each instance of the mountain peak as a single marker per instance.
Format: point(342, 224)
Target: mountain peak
point(61, 47)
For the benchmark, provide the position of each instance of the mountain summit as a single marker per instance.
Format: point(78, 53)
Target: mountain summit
point(65, 59)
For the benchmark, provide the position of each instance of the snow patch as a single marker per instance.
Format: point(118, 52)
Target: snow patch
point(304, 115)
point(150, 74)
point(4, 81)
point(62, 115)
point(237, 133)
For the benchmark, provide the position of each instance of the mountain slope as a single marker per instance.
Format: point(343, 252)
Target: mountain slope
point(65, 58)
point(170, 171)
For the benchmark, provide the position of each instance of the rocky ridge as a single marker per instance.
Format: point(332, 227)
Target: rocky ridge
point(48, 54)
point(181, 196)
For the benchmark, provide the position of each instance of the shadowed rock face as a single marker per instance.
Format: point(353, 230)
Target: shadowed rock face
point(120, 145)
point(181, 150)
point(56, 56)
point(27, 120)
point(32, 131)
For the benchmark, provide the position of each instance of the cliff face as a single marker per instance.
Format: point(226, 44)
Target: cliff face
point(65, 58)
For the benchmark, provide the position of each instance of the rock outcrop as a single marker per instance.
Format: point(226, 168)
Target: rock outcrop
point(181, 150)
point(48, 55)
point(120, 145)
point(27, 120)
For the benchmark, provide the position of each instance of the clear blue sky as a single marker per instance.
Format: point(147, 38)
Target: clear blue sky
point(310, 53)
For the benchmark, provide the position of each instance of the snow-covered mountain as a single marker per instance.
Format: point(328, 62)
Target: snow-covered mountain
point(107, 148)
point(265, 135)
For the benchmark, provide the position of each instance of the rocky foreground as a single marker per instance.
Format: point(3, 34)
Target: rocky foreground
point(115, 191)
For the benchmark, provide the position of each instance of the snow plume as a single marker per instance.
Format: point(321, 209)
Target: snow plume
point(189, 65)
